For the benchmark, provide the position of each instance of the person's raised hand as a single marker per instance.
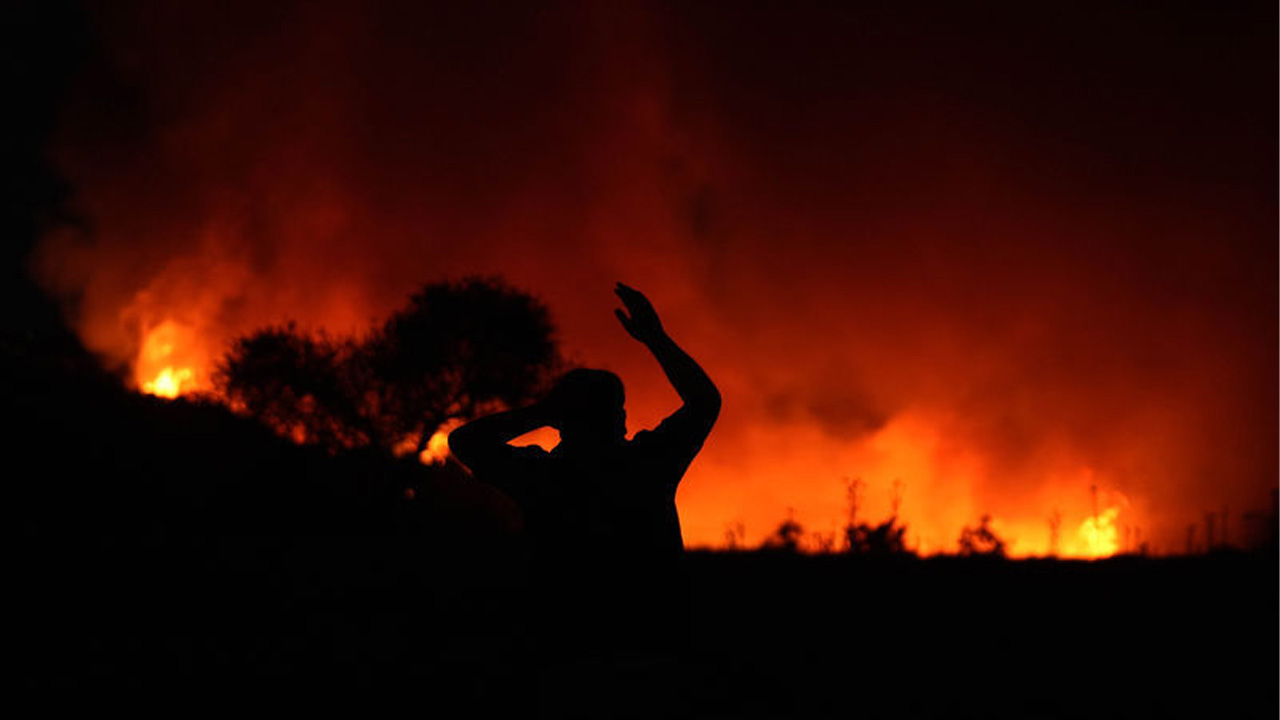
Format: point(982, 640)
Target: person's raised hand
point(639, 319)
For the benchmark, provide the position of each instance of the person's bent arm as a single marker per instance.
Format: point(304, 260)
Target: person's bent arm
point(485, 439)
point(700, 396)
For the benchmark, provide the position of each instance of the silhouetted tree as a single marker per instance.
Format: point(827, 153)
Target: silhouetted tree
point(981, 540)
point(458, 349)
point(298, 384)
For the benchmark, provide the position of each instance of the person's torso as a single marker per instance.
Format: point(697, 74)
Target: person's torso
point(611, 504)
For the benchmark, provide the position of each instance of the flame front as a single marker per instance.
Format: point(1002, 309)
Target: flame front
point(913, 450)
point(166, 365)
point(169, 383)
point(878, 289)
point(1098, 534)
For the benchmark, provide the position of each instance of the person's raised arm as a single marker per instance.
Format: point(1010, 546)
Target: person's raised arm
point(700, 396)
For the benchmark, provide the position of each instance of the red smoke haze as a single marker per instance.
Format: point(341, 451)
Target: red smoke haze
point(999, 257)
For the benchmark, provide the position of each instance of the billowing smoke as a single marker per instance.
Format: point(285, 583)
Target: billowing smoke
point(986, 260)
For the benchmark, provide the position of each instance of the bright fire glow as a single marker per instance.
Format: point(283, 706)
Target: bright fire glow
point(437, 450)
point(881, 284)
point(913, 469)
point(903, 463)
point(166, 365)
point(169, 383)
point(1098, 534)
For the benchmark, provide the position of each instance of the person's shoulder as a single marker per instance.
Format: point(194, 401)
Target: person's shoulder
point(642, 438)
point(648, 442)
point(529, 452)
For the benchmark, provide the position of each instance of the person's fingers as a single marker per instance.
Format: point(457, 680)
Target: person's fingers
point(625, 296)
point(622, 318)
point(626, 291)
point(638, 304)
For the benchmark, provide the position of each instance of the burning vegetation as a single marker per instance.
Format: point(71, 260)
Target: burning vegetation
point(1025, 326)
point(891, 270)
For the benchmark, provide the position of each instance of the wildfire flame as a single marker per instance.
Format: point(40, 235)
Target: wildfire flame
point(169, 383)
point(437, 450)
point(171, 362)
point(165, 366)
point(968, 343)
point(1098, 534)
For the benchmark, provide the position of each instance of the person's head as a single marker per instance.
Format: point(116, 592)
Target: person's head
point(590, 407)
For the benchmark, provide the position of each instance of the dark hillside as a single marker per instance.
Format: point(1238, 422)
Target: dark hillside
point(173, 545)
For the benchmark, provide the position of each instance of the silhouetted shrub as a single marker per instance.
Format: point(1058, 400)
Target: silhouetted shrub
point(981, 540)
point(786, 537)
point(883, 539)
point(861, 538)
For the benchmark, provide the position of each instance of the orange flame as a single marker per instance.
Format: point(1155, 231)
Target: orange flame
point(437, 450)
point(169, 383)
point(165, 366)
point(1098, 534)
point(170, 363)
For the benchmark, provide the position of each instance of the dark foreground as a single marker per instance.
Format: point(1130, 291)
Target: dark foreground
point(174, 555)
point(310, 620)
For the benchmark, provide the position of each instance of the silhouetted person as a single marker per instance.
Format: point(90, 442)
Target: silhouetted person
point(599, 509)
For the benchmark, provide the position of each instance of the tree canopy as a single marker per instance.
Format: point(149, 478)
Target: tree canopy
point(457, 349)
